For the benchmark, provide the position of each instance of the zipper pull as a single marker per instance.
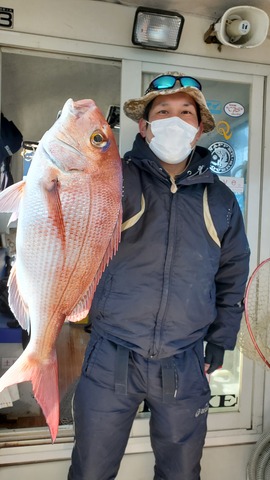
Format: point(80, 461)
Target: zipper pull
point(173, 185)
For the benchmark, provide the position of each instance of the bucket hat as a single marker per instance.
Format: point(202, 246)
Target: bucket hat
point(134, 108)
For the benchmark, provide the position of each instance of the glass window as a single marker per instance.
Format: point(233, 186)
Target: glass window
point(228, 144)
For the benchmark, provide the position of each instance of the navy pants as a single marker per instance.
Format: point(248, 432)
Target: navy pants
point(109, 392)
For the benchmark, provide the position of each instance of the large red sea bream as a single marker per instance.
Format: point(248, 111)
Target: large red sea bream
point(69, 219)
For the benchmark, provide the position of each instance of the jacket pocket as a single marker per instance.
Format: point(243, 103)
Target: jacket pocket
point(192, 378)
point(91, 354)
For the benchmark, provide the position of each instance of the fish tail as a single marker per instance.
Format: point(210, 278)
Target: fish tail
point(44, 378)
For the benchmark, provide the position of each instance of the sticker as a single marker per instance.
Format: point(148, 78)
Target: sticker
point(236, 184)
point(214, 106)
point(6, 17)
point(221, 401)
point(224, 129)
point(223, 157)
point(234, 109)
point(6, 362)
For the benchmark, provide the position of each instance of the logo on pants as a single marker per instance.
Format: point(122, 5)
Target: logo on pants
point(203, 410)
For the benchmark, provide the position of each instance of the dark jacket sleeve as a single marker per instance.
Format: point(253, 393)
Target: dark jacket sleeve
point(230, 280)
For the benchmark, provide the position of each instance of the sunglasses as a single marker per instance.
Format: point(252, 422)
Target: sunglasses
point(168, 81)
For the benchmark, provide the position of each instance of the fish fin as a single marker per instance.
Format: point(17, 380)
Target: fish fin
point(10, 198)
point(13, 218)
point(51, 188)
point(44, 378)
point(16, 302)
point(83, 306)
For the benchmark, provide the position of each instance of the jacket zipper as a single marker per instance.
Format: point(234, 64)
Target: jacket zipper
point(166, 274)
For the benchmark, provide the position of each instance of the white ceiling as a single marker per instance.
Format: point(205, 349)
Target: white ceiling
point(212, 9)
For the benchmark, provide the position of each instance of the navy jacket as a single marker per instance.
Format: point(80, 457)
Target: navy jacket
point(180, 272)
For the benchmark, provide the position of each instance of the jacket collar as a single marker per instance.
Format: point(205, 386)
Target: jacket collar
point(197, 170)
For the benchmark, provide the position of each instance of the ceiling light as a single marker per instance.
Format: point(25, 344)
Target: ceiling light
point(157, 28)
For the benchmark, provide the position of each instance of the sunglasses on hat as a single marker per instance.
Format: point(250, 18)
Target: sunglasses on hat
point(165, 82)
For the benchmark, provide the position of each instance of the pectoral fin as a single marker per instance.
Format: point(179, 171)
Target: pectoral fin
point(10, 199)
point(52, 189)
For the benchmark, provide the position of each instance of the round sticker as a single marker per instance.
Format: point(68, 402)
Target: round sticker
point(223, 157)
point(234, 109)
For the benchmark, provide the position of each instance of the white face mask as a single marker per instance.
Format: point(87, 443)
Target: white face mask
point(172, 139)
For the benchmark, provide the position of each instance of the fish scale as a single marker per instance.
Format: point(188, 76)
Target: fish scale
point(69, 213)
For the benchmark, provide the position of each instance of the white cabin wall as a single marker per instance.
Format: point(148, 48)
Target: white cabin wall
point(111, 24)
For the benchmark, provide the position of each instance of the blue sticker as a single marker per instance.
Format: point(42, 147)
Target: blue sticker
point(214, 106)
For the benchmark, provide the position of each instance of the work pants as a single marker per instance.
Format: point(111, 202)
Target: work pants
point(113, 384)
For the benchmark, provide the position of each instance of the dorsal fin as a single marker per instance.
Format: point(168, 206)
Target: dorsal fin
point(83, 306)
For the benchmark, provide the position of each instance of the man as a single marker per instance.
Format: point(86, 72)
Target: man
point(177, 280)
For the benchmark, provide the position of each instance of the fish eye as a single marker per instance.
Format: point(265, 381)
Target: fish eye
point(98, 139)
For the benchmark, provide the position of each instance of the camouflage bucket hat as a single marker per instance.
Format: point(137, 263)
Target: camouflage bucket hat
point(135, 107)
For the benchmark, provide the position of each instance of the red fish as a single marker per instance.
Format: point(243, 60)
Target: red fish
point(69, 213)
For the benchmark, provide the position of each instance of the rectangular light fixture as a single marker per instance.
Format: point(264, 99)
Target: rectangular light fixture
point(157, 28)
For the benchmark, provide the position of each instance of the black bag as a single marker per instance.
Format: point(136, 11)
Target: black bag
point(10, 138)
point(4, 305)
point(5, 268)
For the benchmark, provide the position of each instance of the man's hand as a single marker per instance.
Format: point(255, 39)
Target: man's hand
point(213, 357)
